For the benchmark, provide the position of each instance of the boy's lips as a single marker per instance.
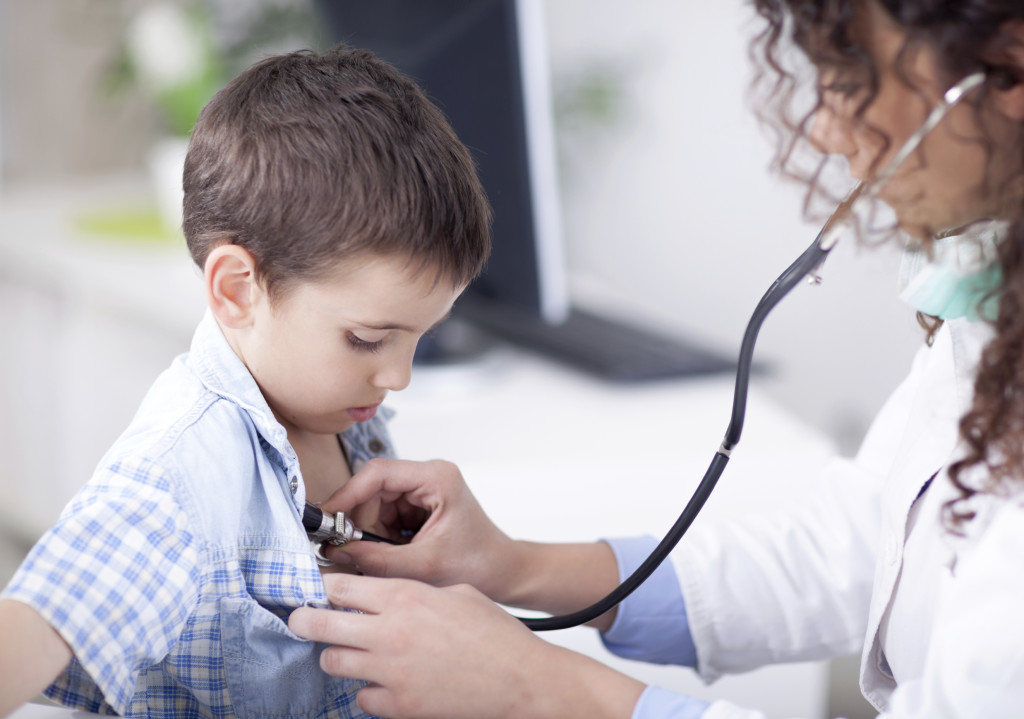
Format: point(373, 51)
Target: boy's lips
point(361, 414)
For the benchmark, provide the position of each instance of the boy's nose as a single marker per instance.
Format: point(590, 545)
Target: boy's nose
point(394, 375)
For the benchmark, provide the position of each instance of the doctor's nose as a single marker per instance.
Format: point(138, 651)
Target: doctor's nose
point(831, 133)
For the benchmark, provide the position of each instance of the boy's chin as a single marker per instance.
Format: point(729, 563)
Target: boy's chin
point(325, 426)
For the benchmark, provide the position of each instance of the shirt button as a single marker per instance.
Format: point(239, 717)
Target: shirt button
point(294, 484)
point(375, 446)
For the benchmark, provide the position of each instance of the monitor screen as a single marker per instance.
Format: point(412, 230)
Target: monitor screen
point(484, 63)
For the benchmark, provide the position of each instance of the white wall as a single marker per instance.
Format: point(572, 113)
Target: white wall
point(3, 127)
point(671, 211)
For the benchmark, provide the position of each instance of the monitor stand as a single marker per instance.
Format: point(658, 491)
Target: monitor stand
point(605, 347)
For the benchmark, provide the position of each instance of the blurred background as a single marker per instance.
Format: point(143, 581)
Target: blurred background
point(672, 218)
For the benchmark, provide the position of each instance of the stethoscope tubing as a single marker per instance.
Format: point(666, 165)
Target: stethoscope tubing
point(810, 260)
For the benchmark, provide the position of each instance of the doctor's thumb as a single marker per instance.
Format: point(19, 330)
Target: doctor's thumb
point(423, 561)
point(374, 559)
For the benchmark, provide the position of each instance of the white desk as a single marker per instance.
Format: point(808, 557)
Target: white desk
point(552, 454)
point(45, 711)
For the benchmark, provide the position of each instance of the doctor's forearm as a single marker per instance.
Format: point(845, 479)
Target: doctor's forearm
point(560, 578)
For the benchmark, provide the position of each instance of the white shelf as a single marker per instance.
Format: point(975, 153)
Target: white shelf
point(87, 323)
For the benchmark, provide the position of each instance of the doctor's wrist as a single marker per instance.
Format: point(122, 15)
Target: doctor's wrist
point(516, 581)
point(575, 686)
point(558, 578)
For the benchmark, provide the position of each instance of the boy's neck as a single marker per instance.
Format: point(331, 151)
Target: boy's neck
point(322, 460)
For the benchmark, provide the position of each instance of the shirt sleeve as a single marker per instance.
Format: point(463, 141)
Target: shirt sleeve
point(116, 577)
point(658, 703)
point(651, 624)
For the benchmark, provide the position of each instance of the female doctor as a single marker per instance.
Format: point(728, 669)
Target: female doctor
point(912, 552)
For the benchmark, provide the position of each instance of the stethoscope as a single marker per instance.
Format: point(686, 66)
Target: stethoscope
point(338, 529)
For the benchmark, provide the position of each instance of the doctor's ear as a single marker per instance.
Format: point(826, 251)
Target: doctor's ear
point(1008, 91)
point(232, 289)
point(1006, 71)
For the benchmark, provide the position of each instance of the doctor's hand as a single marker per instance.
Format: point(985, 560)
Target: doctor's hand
point(451, 653)
point(454, 541)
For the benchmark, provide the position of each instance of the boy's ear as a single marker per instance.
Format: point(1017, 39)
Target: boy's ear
point(231, 287)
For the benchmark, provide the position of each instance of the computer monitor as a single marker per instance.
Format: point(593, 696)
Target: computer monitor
point(484, 63)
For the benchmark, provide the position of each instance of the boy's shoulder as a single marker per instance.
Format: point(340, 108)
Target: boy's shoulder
point(180, 414)
point(200, 450)
point(202, 419)
point(205, 403)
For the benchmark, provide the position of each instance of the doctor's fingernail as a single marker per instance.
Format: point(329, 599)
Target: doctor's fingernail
point(339, 557)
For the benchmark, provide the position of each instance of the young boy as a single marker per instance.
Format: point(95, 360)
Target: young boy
point(336, 218)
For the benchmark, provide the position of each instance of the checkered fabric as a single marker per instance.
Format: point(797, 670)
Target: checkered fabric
point(172, 573)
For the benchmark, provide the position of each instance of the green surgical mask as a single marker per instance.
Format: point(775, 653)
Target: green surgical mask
point(958, 278)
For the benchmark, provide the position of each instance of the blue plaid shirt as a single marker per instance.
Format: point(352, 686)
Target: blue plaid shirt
point(173, 570)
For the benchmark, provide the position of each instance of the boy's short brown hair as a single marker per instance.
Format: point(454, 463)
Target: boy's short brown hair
point(308, 158)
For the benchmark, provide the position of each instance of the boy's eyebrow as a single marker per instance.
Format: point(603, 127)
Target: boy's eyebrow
point(405, 328)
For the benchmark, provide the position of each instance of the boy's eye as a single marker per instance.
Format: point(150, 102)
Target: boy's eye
point(364, 345)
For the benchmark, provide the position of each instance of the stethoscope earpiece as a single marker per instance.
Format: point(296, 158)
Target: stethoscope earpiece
point(1004, 78)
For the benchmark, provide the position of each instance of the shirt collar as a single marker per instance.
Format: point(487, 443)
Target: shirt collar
point(223, 373)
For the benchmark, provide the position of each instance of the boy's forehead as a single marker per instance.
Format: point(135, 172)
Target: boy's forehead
point(385, 296)
point(391, 270)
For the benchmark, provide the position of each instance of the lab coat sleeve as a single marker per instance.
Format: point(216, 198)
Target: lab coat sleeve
point(794, 585)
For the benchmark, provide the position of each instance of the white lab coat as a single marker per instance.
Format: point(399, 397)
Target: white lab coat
point(939, 621)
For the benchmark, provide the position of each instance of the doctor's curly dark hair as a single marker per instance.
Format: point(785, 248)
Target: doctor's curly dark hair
point(968, 36)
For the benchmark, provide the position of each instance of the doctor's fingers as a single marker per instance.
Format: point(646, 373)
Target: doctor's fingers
point(422, 484)
point(457, 545)
point(330, 626)
point(435, 559)
point(376, 596)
